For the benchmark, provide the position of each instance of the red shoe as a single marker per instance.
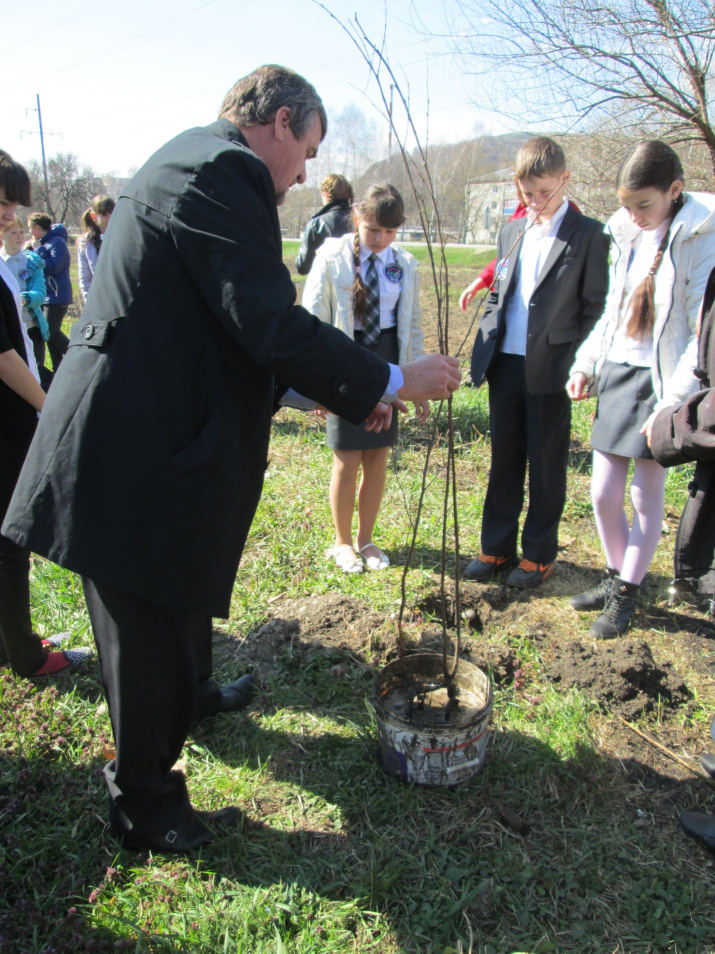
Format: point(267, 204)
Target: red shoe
point(64, 661)
point(530, 574)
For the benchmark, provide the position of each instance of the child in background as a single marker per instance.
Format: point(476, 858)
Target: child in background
point(643, 352)
point(28, 270)
point(368, 288)
point(21, 399)
point(550, 288)
point(94, 222)
point(50, 243)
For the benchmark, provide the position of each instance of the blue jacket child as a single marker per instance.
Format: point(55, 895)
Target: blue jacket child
point(56, 255)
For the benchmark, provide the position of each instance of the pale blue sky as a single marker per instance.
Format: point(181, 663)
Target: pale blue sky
point(119, 79)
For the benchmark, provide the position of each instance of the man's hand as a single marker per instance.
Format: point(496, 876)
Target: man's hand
point(431, 378)
point(577, 387)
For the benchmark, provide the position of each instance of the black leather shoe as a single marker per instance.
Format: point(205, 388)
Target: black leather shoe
point(707, 760)
point(700, 826)
point(196, 831)
point(236, 695)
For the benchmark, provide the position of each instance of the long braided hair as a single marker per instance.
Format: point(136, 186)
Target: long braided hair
point(651, 163)
point(383, 204)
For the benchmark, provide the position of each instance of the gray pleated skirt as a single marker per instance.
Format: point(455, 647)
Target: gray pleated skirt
point(341, 434)
point(625, 402)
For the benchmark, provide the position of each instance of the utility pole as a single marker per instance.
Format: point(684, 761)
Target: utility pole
point(48, 208)
point(389, 133)
point(44, 160)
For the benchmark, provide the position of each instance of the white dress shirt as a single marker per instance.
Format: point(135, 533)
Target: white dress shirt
point(533, 252)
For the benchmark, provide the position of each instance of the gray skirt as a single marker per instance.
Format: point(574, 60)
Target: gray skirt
point(341, 434)
point(625, 402)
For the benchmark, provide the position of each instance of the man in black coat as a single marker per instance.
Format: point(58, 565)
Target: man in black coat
point(678, 435)
point(332, 221)
point(148, 461)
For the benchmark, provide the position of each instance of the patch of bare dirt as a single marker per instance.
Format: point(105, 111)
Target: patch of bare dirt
point(621, 676)
point(323, 623)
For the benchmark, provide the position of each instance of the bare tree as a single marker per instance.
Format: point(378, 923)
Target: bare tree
point(71, 187)
point(647, 62)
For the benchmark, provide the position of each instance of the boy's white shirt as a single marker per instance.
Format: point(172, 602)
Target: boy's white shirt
point(534, 249)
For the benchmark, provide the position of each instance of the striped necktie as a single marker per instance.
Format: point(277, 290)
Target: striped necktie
point(371, 318)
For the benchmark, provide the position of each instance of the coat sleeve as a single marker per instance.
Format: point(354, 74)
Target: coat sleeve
point(84, 270)
point(686, 432)
point(317, 293)
point(594, 285)
point(36, 290)
point(225, 229)
point(313, 238)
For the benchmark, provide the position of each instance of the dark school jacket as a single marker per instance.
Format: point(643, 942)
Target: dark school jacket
point(566, 302)
point(686, 432)
point(332, 221)
point(148, 462)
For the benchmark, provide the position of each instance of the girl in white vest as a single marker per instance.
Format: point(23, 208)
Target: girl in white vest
point(369, 288)
point(640, 358)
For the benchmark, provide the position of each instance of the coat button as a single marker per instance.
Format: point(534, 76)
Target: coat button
point(344, 389)
point(88, 331)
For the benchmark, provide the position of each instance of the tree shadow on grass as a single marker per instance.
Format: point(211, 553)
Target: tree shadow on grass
point(577, 849)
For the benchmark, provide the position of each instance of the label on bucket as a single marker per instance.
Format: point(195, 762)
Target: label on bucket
point(429, 760)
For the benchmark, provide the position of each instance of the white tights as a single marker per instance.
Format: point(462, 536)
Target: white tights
point(628, 549)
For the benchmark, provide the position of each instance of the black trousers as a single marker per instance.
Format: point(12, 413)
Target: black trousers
point(58, 341)
point(156, 668)
point(19, 644)
point(524, 427)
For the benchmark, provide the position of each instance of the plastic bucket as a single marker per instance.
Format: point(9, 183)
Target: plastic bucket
point(422, 739)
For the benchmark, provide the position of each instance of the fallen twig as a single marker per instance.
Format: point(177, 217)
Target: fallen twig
point(666, 751)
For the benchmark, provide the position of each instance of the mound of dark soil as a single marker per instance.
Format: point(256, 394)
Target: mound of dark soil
point(621, 676)
point(327, 622)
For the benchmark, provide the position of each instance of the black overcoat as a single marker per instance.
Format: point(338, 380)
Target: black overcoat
point(566, 303)
point(684, 433)
point(148, 462)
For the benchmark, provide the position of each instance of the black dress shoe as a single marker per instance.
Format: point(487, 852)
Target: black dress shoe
point(196, 831)
point(236, 695)
point(699, 826)
point(707, 760)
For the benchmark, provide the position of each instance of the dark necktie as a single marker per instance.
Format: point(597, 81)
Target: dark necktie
point(371, 318)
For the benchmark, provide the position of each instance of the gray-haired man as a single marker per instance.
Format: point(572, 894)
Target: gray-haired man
point(148, 462)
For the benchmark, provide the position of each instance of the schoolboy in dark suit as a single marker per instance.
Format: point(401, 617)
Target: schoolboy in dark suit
point(550, 287)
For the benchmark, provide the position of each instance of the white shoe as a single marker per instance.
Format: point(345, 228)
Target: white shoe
point(379, 561)
point(346, 559)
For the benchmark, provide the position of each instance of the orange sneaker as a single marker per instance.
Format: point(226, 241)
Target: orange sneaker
point(486, 567)
point(530, 574)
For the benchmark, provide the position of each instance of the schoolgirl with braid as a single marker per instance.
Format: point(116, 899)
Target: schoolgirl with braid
point(369, 288)
point(639, 359)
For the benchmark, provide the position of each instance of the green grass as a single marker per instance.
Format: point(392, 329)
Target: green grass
point(353, 860)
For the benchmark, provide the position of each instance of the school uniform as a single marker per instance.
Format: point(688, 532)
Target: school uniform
point(550, 289)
